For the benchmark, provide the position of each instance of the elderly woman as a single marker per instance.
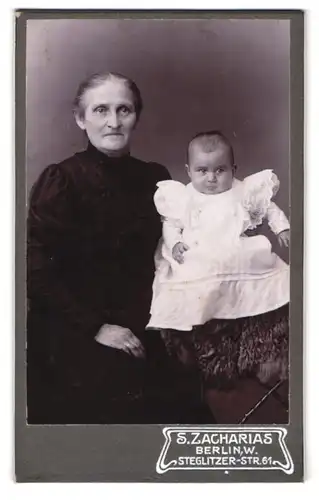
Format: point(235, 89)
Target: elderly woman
point(92, 234)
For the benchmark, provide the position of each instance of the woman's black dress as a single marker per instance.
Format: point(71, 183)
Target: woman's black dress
point(92, 234)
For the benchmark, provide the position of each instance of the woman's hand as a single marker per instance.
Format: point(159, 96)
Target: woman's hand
point(284, 238)
point(120, 338)
point(178, 252)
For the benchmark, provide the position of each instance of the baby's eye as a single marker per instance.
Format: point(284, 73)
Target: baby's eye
point(203, 170)
point(220, 170)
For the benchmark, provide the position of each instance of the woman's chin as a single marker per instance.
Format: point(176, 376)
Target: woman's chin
point(113, 148)
point(113, 143)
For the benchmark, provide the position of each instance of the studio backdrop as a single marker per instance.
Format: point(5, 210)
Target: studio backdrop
point(194, 75)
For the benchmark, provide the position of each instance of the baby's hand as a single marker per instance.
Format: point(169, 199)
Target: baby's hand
point(178, 251)
point(284, 238)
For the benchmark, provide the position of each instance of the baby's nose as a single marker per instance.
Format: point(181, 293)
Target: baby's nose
point(211, 177)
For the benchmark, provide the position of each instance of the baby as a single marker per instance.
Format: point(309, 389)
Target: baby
point(206, 266)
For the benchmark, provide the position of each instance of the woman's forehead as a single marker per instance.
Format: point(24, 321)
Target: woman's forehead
point(111, 91)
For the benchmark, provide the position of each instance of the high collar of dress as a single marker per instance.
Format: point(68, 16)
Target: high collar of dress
point(103, 158)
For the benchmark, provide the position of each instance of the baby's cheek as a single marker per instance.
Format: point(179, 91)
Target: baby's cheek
point(229, 181)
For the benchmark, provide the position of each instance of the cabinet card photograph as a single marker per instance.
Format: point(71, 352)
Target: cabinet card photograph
point(159, 246)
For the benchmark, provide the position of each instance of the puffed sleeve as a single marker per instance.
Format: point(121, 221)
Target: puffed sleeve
point(170, 200)
point(49, 219)
point(257, 193)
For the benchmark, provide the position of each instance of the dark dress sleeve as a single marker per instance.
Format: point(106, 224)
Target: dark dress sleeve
point(161, 172)
point(49, 219)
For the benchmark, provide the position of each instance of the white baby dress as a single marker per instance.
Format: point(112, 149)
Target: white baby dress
point(225, 274)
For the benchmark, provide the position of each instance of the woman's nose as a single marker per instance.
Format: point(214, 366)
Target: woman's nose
point(113, 120)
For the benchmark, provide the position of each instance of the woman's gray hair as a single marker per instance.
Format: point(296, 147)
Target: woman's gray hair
point(97, 79)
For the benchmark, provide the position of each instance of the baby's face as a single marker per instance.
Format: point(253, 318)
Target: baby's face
point(212, 172)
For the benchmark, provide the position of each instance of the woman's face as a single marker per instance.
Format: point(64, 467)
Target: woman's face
point(109, 116)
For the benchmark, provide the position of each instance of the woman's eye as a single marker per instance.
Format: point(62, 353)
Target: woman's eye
point(100, 109)
point(124, 110)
